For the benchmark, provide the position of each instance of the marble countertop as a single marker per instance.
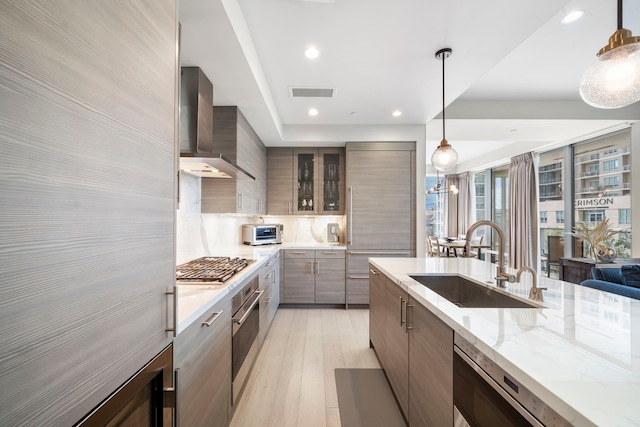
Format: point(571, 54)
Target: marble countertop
point(194, 299)
point(580, 354)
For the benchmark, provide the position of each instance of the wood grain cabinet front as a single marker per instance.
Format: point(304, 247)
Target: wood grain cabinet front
point(269, 282)
point(314, 276)
point(415, 349)
point(306, 181)
point(202, 358)
point(235, 139)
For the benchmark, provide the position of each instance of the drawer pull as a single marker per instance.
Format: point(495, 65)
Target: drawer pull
point(212, 319)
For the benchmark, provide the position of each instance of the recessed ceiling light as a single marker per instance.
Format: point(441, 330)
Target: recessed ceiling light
point(311, 52)
point(313, 112)
point(396, 113)
point(572, 16)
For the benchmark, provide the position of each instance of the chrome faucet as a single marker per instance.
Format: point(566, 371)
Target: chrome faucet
point(535, 293)
point(502, 276)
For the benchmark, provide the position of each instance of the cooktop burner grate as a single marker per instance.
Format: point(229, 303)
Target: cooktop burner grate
point(210, 269)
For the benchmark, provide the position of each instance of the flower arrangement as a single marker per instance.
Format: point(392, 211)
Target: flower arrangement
point(597, 237)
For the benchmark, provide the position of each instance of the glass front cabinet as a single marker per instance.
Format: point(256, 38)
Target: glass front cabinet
point(318, 185)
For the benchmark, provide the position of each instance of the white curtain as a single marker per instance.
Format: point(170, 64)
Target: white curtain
point(523, 209)
point(451, 207)
point(459, 207)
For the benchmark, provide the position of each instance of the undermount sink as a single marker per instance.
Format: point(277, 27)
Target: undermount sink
point(465, 293)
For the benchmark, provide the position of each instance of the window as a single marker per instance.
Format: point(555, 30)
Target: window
point(592, 217)
point(543, 217)
point(624, 216)
point(478, 180)
point(611, 181)
point(500, 200)
point(611, 152)
point(560, 217)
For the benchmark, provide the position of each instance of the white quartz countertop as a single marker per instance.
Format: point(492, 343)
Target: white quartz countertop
point(194, 299)
point(580, 354)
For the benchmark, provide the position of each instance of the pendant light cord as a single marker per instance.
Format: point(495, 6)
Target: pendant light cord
point(444, 56)
point(619, 14)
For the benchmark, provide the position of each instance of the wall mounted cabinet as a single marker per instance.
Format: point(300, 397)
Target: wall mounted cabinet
point(235, 139)
point(306, 181)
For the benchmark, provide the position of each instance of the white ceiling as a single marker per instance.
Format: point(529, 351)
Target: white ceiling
point(513, 76)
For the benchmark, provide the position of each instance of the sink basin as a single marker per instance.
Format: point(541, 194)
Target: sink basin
point(465, 293)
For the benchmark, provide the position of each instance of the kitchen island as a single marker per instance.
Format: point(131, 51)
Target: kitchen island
point(579, 353)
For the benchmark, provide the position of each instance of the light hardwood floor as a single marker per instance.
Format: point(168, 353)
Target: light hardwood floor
point(293, 381)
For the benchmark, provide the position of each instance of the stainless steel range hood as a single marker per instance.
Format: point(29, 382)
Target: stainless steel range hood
point(196, 130)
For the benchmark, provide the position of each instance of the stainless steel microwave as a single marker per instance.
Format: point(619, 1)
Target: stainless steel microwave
point(261, 234)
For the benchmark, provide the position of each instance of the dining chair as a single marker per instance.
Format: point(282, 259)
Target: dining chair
point(462, 237)
point(475, 252)
point(434, 246)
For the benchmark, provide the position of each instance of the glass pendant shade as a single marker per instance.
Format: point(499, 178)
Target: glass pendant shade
point(444, 158)
point(613, 80)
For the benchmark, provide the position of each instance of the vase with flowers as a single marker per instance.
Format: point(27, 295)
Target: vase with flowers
point(597, 237)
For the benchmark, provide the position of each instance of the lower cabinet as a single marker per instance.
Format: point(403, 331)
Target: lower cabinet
point(430, 369)
point(202, 358)
point(314, 276)
point(397, 342)
point(415, 349)
point(270, 299)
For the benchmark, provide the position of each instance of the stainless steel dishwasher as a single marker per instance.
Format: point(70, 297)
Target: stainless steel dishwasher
point(485, 395)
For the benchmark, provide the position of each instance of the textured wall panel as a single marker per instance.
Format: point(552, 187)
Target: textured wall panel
point(87, 211)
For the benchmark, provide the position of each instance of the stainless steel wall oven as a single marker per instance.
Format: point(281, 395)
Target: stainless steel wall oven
point(246, 326)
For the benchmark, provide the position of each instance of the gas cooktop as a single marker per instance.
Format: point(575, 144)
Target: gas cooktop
point(214, 270)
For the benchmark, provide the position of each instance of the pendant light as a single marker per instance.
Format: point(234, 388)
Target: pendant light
point(445, 157)
point(613, 80)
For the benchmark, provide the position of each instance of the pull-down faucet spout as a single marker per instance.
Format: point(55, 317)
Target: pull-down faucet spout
point(501, 276)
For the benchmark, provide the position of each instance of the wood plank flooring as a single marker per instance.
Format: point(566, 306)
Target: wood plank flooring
point(293, 381)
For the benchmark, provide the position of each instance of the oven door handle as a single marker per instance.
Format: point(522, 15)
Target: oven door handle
point(251, 303)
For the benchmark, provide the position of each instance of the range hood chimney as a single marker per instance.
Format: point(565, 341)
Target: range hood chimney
point(196, 130)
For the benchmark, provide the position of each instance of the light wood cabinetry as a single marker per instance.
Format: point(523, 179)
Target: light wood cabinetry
point(235, 139)
point(306, 181)
point(279, 181)
point(430, 369)
point(88, 241)
point(397, 343)
point(269, 281)
point(314, 277)
point(415, 349)
point(202, 358)
point(380, 208)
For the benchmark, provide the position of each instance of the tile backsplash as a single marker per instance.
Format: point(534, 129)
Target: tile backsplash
point(200, 234)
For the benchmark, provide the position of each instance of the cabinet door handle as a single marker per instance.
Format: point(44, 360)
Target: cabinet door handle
point(240, 201)
point(174, 297)
point(402, 322)
point(407, 328)
point(350, 215)
point(311, 265)
point(269, 300)
point(212, 319)
point(269, 263)
point(317, 267)
point(375, 273)
point(267, 276)
point(289, 207)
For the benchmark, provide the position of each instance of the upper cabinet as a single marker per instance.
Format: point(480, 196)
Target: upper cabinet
point(234, 138)
point(303, 181)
